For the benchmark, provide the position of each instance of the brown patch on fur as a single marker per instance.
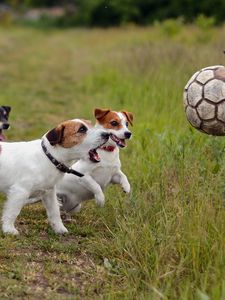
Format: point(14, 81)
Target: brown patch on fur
point(129, 116)
point(71, 136)
point(105, 117)
point(66, 134)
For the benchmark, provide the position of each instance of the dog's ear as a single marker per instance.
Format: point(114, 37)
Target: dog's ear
point(100, 113)
point(55, 135)
point(7, 109)
point(129, 116)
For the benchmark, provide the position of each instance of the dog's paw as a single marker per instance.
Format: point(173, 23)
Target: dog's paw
point(10, 230)
point(66, 217)
point(100, 199)
point(126, 187)
point(60, 229)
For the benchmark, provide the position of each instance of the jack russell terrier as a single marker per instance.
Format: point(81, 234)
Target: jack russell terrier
point(4, 124)
point(104, 167)
point(30, 170)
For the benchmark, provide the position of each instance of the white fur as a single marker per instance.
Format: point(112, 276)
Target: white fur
point(72, 191)
point(27, 175)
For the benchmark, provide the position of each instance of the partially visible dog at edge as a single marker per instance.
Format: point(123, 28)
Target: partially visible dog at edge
point(104, 168)
point(30, 170)
point(4, 124)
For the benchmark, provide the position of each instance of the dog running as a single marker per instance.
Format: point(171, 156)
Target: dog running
point(30, 170)
point(103, 168)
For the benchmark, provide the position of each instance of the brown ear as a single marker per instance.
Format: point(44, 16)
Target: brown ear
point(100, 113)
point(129, 116)
point(55, 135)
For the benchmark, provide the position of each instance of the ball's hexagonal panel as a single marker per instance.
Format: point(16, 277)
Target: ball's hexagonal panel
point(191, 79)
point(185, 99)
point(221, 112)
point(220, 73)
point(213, 127)
point(214, 90)
point(205, 76)
point(212, 67)
point(206, 110)
point(192, 117)
point(194, 94)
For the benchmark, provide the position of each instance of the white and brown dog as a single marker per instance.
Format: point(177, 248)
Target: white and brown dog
point(30, 170)
point(104, 167)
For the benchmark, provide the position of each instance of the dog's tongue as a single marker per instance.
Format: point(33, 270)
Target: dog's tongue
point(122, 143)
point(93, 154)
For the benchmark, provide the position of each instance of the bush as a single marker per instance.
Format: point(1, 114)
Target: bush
point(172, 27)
point(204, 22)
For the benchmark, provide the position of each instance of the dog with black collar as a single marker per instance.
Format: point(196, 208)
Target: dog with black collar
point(104, 168)
point(29, 171)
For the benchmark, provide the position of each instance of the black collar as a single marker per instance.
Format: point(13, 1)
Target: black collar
point(60, 166)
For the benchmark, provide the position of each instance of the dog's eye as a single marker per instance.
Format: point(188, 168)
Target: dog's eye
point(82, 129)
point(127, 124)
point(114, 123)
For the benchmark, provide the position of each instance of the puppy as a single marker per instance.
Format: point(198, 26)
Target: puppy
point(30, 170)
point(104, 167)
point(4, 124)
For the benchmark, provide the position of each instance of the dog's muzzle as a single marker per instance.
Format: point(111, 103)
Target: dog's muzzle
point(93, 154)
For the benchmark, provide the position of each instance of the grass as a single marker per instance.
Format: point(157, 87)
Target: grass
point(166, 239)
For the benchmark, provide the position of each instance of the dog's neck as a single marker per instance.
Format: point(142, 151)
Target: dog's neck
point(63, 155)
point(58, 164)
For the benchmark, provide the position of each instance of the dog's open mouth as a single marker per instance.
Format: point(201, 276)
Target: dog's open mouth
point(93, 155)
point(120, 142)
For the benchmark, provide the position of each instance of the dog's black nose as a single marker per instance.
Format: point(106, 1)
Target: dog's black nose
point(127, 134)
point(5, 126)
point(105, 135)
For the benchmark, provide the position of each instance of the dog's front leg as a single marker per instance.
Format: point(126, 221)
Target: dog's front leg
point(16, 199)
point(52, 207)
point(121, 178)
point(88, 182)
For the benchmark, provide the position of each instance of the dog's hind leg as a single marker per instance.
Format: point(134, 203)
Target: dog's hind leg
point(52, 207)
point(16, 199)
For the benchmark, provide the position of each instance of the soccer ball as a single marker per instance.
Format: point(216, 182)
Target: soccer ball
point(204, 100)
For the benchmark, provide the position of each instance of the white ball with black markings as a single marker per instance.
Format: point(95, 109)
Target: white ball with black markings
point(204, 100)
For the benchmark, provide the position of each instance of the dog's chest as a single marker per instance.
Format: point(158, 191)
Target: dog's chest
point(103, 174)
point(108, 166)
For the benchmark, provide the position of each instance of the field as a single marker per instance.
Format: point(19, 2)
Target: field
point(166, 240)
